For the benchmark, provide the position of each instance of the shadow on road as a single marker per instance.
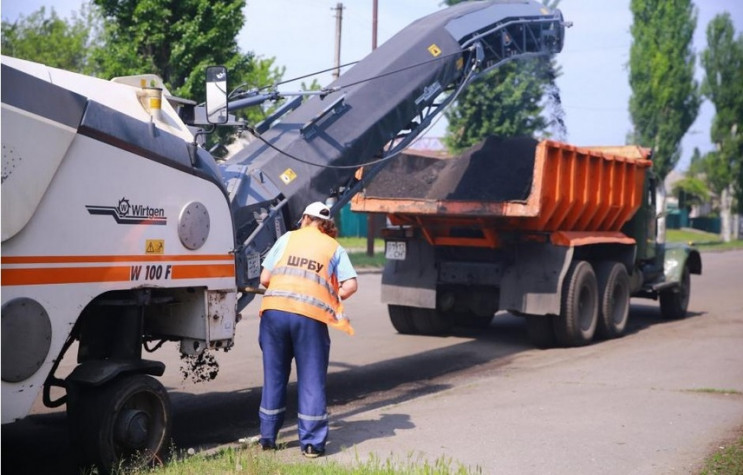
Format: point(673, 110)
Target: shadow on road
point(39, 443)
point(644, 316)
point(208, 420)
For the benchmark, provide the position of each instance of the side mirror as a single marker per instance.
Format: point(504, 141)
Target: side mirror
point(216, 95)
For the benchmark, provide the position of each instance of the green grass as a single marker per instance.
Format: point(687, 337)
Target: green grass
point(727, 460)
point(725, 392)
point(690, 235)
point(702, 240)
point(356, 247)
point(253, 461)
point(359, 243)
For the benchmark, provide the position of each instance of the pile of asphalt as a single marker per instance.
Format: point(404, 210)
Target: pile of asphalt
point(494, 170)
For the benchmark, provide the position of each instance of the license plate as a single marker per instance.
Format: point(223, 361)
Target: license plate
point(254, 266)
point(395, 250)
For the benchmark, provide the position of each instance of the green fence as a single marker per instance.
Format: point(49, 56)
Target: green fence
point(711, 225)
point(679, 218)
point(351, 224)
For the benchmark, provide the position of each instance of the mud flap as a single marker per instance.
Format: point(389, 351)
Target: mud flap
point(531, 285)
point(412, 281)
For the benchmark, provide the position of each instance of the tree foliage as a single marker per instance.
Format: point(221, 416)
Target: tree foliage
point(504, 103)
point(46, 38)
point(691, 191)
point(723, 86)
point(665, 97)
point(507, 102)
point(177, 40)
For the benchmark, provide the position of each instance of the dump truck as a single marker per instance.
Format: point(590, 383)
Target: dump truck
point(559, 234)
point(121, 232)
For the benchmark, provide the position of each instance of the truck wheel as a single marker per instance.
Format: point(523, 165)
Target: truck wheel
point(541, 331)
point(126, 422)
point(613, 284)
point(429, 321)
point(402, 319)
point(674, 302)
point(579, 307)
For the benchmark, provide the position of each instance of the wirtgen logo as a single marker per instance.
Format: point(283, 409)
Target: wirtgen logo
point(127, 213)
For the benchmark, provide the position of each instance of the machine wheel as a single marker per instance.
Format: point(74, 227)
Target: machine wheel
point(614, 297)
point(402, 319)
point(541, 330)
point(579, 309)
point(429, 321)
point(126, 422)
point(674, 302)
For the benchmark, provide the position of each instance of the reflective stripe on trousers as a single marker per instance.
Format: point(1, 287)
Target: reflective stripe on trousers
point(284, 336)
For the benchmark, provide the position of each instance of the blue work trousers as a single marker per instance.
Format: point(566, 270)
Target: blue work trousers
point(283, 336)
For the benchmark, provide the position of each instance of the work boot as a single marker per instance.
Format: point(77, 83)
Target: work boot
point(312, 452)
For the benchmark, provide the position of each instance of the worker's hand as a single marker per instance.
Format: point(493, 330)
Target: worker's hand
point(348, 288)
point(265, 277)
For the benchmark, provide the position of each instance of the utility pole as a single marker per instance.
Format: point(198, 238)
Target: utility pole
point(374, 24)
point(370, 218)
point(338, 22)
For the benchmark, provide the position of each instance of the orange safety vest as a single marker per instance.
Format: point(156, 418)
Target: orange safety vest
point(300, 282)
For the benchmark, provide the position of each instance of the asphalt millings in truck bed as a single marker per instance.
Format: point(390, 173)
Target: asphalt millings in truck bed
point(494, 170)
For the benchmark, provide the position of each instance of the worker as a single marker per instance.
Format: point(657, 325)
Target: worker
point(307, 275)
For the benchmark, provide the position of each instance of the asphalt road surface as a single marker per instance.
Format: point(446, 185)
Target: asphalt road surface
point(657, 401)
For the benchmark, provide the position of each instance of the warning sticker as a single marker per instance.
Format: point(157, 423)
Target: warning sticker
point(434, 50)
point(154, 246)
point(288, 176)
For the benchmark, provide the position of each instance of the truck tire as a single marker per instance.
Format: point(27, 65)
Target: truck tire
point(614, 298)
point(540, 329)
point(429, 321)
point(674, 302)
point(401, 318)
point(124, 423)
point(579, 308)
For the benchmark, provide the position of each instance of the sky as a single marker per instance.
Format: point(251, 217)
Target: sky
point(594, 85)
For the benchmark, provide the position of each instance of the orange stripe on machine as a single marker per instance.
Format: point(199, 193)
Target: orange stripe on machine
point(93, 259)
point(146, 270)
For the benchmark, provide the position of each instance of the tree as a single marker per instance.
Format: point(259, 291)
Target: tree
point(506, 102)
point(723, 65)
point(665, 98)
point(691, 191)
point(177, 40)
point(51, 40)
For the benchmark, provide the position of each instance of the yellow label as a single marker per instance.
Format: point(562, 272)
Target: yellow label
point(155, 103)
point(460, 63)
point(288, 176)
point(434, 50)
point(154, 246)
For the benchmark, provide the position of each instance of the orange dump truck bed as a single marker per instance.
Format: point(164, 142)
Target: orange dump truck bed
point(519, 184)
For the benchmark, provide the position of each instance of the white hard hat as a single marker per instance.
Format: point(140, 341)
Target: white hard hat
point(317, 210)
